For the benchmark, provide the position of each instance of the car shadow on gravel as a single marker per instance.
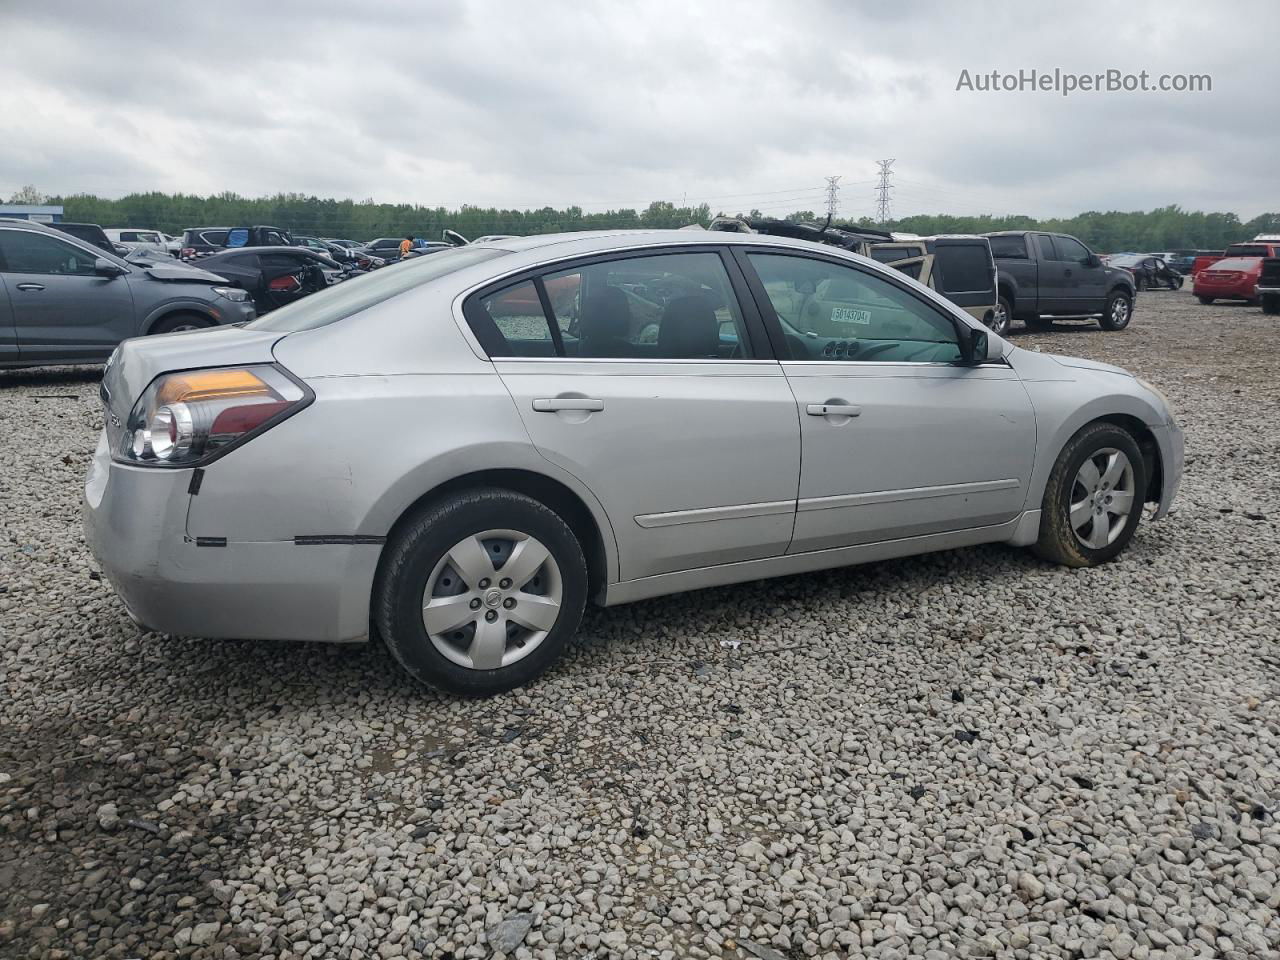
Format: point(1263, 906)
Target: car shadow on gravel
point(49, 376)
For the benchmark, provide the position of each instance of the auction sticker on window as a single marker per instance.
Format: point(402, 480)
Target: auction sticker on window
point(850, 315)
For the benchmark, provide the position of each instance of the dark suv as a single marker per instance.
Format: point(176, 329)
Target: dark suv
point(200, 242)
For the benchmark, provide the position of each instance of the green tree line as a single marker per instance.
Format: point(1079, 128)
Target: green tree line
point(1166, 228)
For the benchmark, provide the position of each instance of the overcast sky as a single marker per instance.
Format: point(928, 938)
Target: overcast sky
point(738, 103)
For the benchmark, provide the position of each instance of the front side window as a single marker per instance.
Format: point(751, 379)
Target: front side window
point(829, 311)
point(1070, 250)
point(1046, 247)
point(22, 251)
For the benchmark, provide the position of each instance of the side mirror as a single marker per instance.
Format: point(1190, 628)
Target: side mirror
point(105, 268)
point(974, 345)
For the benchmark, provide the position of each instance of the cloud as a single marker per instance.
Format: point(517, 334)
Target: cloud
point(554, 103)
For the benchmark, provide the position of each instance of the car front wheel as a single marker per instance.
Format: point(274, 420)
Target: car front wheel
point(480, 592)
point(1271, 303)
point(1093, 500)
point(1117, 312)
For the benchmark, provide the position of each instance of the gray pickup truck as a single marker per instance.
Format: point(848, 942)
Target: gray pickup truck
point(1050, 276)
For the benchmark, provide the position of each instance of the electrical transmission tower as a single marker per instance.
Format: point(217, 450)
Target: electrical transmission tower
point(833, 191)
point(882, 191)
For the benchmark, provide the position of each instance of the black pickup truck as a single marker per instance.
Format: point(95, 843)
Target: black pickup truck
point(1269, 285)
point(1050, 276)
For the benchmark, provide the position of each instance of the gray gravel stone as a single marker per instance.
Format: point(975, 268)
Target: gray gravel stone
point(1114, 793)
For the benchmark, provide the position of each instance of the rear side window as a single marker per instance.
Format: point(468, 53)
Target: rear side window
point(1009, 248)
point(352, 296)
point(966, 268)
point(883, 253)
point(678, 306)
point(214, 238)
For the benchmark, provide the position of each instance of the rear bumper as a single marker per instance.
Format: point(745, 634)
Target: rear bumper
point(135, 521)
point(1169, 438)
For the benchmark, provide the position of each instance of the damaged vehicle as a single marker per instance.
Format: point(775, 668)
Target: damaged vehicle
point(958, 266)
point(63, 300)
point(458, 454)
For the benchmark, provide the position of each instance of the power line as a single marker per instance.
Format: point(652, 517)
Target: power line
point(882, 191)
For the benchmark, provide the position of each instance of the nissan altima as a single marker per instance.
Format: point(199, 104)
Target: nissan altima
point(458, 454)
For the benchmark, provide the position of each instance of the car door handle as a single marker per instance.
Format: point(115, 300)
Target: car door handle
point(554, 404)
point(833, 410)
point(31, 286)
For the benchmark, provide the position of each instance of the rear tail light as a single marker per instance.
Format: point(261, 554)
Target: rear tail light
point(187, 419)
point(285, 284)
point(188, 253)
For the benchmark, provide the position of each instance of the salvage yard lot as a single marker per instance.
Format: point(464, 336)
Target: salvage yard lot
point(970, 751)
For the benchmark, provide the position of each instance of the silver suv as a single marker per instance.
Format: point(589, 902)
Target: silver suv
point(465, 449)
point(65, 301)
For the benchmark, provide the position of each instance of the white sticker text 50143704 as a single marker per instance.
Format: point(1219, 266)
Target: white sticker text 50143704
point(850, 315)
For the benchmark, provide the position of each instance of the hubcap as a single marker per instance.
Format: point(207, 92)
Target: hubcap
point(492, 599)
point(1102, 498)
point(1119, 311)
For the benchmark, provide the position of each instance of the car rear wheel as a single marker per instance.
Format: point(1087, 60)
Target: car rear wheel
point(1117, 312)
point(1271, 303)
point(1205, 300)
point(480, 592)
point(1093, 500)
point(1039, 323)
point(180, 322)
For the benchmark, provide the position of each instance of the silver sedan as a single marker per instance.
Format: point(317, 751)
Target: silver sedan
point(459, 453)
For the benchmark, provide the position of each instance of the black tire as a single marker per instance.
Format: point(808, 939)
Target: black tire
point(1112, 318)
point(1002, 318)
point(181, 321)
point(419, 544)
point(1205, 300)
point(1271, 303)
point(1058, 543)
point(1038, 323)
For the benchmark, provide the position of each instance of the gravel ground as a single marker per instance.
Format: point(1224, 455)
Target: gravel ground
point(967, 754)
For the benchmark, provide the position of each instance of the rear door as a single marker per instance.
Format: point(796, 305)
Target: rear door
point(965, 274)
point(62, 310)
point(8, 337)
point(1054, 292)
point(653, 386)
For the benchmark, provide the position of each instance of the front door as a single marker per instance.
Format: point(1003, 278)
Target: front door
point(898, 440)
point(1086, 282)
point(649, 387)
point(61, 308)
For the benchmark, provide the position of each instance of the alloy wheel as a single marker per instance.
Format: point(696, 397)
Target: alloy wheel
point(1102, 497)
point(492, 599)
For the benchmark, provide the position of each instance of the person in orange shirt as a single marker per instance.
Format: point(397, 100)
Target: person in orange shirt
point(405, 245)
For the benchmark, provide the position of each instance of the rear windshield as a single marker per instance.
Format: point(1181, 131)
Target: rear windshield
point(352, 296)
point(1235, 264)
point(1010, 248)
point(966, 267)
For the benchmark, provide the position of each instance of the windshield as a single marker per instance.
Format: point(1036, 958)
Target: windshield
point(353, 296)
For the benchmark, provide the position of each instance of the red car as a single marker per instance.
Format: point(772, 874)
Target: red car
point(1235, 278)
point(1253, 248)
